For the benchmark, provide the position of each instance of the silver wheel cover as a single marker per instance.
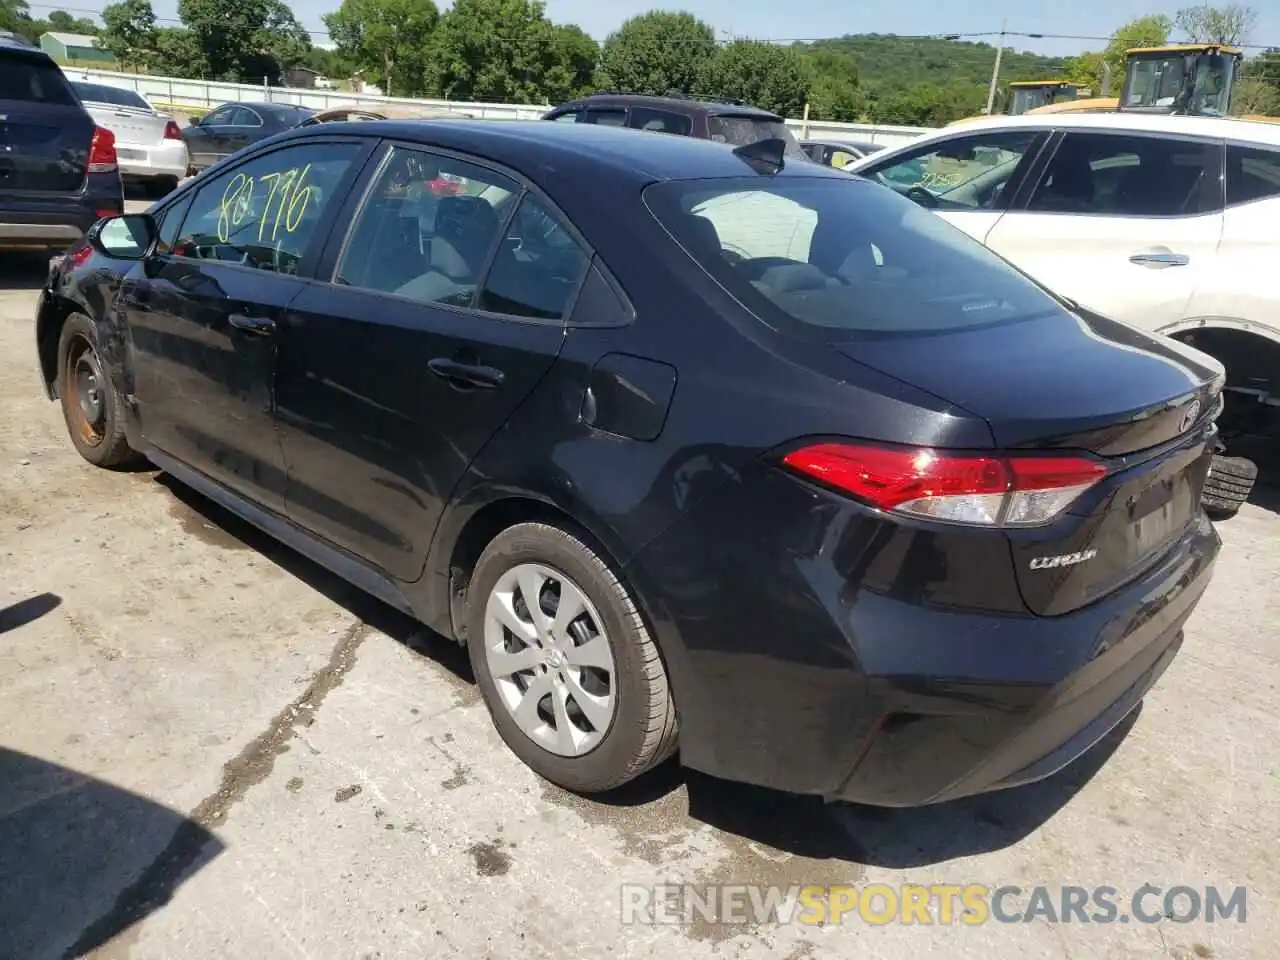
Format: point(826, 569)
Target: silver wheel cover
point(549, 656)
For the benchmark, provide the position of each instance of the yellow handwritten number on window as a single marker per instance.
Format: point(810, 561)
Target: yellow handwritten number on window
point(286, 203)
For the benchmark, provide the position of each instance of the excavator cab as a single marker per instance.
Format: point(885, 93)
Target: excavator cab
point(1026, 95)
point(1191, 79)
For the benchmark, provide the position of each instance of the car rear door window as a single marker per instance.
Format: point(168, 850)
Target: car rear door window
point(660, 121)
point(606, 116)
point(243, 117)
point(264, 213)
point(538, 267)
point(961, 173)
point(1121, 175)
point(427, 228)
point(31, 80)
point(1253, 174)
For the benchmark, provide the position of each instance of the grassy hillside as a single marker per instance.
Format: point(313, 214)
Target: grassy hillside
point(884, 60)
point(917, 81)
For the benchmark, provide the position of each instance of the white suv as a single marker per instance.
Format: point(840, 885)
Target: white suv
point(1171, 224)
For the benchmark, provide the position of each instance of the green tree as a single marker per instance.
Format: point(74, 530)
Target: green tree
point(387, 39)
point(572, 61)
point(1258, 89)
point(765, 75)
point(834, 92)
point(176, 51)
point(1231, 24)
point(14, 14)
point(65, 22)
point(245, 39)
point(128, 31)
point(659, 52)
point(494, 50)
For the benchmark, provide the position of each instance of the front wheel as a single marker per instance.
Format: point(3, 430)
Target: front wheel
point(571, 677)
point(91, 406)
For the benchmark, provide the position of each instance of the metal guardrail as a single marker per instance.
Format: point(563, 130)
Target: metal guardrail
point(181, 93)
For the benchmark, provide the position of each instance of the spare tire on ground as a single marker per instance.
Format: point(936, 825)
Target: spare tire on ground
point(1228, 485)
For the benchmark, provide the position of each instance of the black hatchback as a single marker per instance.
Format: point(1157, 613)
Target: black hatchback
point(691, 446)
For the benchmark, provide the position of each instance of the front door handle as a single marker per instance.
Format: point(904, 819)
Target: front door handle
point(257, 326)
point(465, 375)
point(1160, 260)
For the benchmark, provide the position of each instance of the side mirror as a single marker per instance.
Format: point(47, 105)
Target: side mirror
point(128, 237)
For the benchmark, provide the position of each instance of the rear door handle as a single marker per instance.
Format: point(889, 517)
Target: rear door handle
point(258, 326)
point(1160, 260)
point(466, 375)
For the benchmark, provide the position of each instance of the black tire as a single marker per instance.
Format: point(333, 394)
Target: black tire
point(97, 429)
point(1228, 485)
point(161, 187)
point(644, 729)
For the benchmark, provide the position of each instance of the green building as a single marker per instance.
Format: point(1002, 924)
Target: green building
point(77, 48)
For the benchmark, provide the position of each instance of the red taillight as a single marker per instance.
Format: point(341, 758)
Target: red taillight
point(172, 131)
point(102, 151)
point(80, 256)
point(1004, 490)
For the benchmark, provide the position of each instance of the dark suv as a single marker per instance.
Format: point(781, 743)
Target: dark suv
point(58, 172)
point(726, 122)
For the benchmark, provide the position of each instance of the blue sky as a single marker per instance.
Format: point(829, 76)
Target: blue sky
point(803, 19)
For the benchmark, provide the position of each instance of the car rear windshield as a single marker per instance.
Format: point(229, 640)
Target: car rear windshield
point(33, 80)
point(101, 93)
point(839, 259)
point(740, 131)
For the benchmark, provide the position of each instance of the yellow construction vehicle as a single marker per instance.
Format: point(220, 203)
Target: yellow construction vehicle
point(1187, 78)
point(1025, 95)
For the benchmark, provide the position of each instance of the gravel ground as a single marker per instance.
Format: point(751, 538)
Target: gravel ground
point(211, 748)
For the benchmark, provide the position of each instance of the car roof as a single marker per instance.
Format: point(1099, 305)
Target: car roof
point(540, 150)
point(16, 45)
point(262, 106)
point(1224, 128)
point(712, 107)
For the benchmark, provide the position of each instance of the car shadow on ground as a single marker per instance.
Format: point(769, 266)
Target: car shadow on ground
point(802, 826)
point(82, 860)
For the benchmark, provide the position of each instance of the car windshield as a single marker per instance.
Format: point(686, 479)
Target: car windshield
point(740, 131)
point(26, 79)
point(101, 93)
point(838, 259)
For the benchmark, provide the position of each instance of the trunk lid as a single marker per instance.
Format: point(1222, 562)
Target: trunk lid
point(133, 128)
point(1076, 381)
point(44, 132)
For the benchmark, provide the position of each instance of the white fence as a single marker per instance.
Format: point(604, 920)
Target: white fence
point(179, 93)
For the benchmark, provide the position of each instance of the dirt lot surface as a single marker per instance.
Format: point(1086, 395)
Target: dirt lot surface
point(212, 749)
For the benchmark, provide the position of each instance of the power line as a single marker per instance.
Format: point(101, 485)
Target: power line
point(943, 35)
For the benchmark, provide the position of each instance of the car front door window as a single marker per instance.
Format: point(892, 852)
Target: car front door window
point(264, 213)
point(962, 173)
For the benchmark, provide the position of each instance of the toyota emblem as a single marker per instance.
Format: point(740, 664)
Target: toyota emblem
point(1190, 417)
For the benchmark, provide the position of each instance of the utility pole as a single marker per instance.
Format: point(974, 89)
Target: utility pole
point(995, 72)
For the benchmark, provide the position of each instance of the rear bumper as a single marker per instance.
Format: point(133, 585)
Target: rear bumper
point(791, 672)
point(139, 161)
point(54, 223)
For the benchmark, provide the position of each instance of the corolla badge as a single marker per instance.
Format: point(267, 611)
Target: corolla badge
point(1191, 416)
point(1063, 560)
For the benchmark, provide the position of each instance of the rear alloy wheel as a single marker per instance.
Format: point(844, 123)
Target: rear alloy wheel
point(572, 680)
point(91, 407)
point(1228, 485)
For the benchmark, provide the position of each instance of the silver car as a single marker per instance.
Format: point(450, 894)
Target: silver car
point(149, 144)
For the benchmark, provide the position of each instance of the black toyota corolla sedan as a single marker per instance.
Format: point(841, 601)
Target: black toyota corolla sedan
point(691, 446)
